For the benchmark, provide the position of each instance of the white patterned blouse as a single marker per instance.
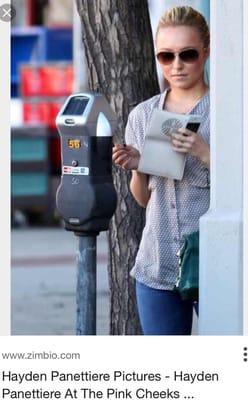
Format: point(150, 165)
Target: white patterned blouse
point(174, 207)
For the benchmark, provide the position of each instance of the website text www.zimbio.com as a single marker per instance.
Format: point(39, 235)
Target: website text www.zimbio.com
point(43, 355)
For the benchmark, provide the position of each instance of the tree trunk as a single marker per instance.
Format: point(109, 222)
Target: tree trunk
point(119, 50)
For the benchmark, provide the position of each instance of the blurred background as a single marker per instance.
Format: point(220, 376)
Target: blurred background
point(47, 65)
point(43, 253)
point(42, 76)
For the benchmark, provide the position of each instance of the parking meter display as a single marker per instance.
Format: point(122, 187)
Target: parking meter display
point(74, 144)
point(76, 105)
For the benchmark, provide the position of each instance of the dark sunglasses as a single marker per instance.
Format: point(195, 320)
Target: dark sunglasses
point(187, 56)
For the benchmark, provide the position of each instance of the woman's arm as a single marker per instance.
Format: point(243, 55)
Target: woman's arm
point(128, 157)
point(139, 188)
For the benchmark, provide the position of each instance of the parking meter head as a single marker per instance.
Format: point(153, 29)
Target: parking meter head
point(81, 112)
point(86, 198)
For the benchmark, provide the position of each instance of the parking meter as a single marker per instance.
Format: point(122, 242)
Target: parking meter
point(86, 198)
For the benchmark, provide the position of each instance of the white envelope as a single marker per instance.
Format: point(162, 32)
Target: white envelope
point(158, 156)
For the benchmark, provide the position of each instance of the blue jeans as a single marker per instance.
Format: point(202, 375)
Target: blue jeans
point(162, 312)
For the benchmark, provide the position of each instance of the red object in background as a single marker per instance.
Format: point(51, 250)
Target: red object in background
point(57, 80)
point(31, 84)
point(30, 5)
point(36, 112)
point(42, 112)
point(47, 80)
point(35, 11)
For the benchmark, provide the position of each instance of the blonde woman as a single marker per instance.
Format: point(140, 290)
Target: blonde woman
point(173, 208)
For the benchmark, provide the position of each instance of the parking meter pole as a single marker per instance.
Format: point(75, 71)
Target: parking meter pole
point(86, 286)
point(86, 198)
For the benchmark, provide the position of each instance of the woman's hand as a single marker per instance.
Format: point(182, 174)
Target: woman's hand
point(186, 141)
point(126, 157)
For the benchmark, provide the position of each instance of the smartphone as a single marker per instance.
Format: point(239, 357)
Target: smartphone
point(193, 126)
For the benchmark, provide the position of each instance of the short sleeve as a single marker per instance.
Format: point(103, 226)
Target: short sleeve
point(136, 127)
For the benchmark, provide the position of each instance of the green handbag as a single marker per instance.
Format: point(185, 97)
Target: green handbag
point(187, 284)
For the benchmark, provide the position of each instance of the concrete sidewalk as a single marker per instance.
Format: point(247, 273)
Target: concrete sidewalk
point(43, 281)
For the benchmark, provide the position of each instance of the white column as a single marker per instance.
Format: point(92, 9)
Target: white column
point(221, 234)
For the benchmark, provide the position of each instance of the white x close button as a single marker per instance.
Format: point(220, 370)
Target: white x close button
point(7, 12)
